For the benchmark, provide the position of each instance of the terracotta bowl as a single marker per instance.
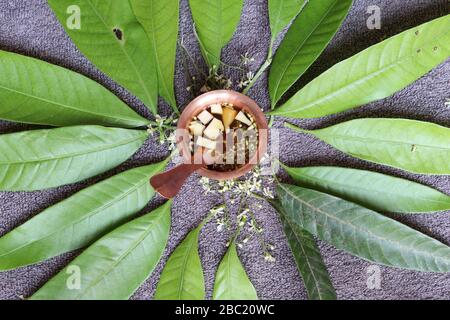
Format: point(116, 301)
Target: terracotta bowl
point(241, 102)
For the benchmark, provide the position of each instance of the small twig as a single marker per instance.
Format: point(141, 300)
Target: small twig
point(261, 70)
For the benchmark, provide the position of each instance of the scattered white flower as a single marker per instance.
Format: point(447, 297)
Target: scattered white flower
point(268, 257)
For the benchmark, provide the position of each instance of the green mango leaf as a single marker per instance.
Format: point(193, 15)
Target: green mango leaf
point(415, 146)
point(307, 37)
point(115, 266)
point(36, 92)
point(40, 159)
point(111, 37)
point(182, 276)
point(232, 282)
point(362, 232)
point(371, 189)
point(160, 21)
point(373, 74)
point(215, 21)
point(80, 219)
point(308, 258)
point(281, 13)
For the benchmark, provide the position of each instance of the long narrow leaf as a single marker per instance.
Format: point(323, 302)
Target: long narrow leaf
point(110, 36)
point(308, 36)
point(281, 13)
point(160, 21)
point(116, 265)
point(182, 276)
point(371, 189)
point(415, 146)
point(308, 258)
point(40, 159)
point(36, 92)
point(215, 22)
point(362, 232)
point(232, 282)
point(375, 73)
point(79, 220)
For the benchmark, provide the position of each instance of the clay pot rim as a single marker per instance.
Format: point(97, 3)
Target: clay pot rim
point(239, 100)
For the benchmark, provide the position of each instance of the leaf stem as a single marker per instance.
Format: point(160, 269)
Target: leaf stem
point(261, 70)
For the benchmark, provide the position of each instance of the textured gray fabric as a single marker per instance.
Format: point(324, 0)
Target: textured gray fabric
point(29, 27)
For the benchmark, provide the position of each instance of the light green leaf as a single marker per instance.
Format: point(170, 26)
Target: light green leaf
point(308, 36)
point(215, 22)
point(281, 13)
point(40, 159)
point(182, 276)
point(115, 266)
point(36, 92)
point(362, 232)
point(374, 73)
point(371, 189)
point(415, 146)
point(79, 220)
point(308, 258)
point(160, 21)
point(113, 40)
point(232, 282)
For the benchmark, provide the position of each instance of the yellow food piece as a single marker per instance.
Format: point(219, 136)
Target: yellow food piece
point(228, 116)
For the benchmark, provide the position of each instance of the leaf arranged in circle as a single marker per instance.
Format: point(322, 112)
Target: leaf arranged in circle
point(115, 266)
point(80, 219)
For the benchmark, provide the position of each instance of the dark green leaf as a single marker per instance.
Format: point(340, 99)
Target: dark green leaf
point(308, 36)
point(182, 276)
point(308, 259)
point(117, 264)
point(215, 22)
point(40, 159)
point(36, 92)
point(111, 38)
point(160, 21)
point(415, 146)
point(373, 190)
point(232, 282)
point(79, 220)
point(374, 73)
point(362, 232)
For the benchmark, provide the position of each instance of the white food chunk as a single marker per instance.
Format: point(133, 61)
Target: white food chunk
point(243, 118)
point(214, 129)
point(205, 117)
point(203, 142)
point(196, 128)
point(216, 108)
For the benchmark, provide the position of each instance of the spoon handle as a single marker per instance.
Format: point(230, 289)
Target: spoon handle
point(169, 183)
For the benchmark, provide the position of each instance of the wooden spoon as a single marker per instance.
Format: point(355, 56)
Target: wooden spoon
point(169, 183)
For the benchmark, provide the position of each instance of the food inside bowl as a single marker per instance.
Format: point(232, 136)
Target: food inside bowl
point(227, 134)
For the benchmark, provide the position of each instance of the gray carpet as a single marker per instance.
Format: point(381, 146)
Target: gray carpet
point(29, 27)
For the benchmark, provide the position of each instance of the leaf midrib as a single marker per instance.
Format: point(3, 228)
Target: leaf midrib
point(337, 91)
point(184, 264)
point(121, 257)
point(75, 154)
point(368, 139)
point(362, 187)
point(89, 215)
point(140, 80)
point(318, 288)
point(67, 106)
point(298, 50)
point(379, 238)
